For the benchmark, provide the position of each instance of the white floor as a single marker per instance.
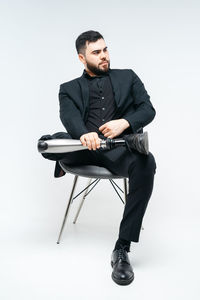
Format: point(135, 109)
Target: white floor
point(34, 267)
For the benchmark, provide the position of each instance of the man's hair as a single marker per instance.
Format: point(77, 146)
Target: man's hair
point(87, 36)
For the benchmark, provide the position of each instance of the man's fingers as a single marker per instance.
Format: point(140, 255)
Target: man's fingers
point(102, 127)
point(98, 143)
point(88, 142)
point(82, 139)
point(109, 135)
point(91, 140)
point(105, 131)
point(93, 143)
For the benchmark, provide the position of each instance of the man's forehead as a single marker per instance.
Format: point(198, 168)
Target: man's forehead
point(98, 45)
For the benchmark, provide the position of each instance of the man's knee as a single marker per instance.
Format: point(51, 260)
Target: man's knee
point(151, 165)
point(144, 164)
point(61, 135)
point(57, 135)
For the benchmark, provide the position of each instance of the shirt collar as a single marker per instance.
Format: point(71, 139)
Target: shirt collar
point(86, 75)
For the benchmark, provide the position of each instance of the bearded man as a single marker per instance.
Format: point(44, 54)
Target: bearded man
point(109, 103)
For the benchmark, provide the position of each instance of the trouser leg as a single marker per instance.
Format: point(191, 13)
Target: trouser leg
point(141, 178)
point(140, 170)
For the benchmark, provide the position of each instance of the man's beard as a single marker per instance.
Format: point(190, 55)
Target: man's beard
point(96, 70)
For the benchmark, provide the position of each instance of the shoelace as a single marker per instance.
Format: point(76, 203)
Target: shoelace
point(121, 254)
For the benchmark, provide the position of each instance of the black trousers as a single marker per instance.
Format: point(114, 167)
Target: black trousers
point(140, 170)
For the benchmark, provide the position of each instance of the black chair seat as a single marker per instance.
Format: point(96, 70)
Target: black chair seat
point(89, 171)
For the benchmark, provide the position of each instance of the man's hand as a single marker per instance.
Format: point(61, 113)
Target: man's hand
point(114, 128)
point(91, 140)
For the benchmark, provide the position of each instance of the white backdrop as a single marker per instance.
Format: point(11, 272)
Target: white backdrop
point(159, 40)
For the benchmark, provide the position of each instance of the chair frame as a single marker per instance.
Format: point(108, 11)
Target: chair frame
point(90, 185)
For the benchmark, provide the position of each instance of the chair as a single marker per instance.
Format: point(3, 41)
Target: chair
point(92, 172)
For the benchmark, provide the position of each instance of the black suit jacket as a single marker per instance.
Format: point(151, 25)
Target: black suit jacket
point(132, 102)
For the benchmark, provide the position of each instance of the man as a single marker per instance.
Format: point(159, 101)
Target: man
point(109, 103)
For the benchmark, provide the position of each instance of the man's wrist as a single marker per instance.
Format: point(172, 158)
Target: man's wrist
point(125, 123)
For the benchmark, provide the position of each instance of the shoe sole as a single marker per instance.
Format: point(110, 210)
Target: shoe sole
point(121, 281)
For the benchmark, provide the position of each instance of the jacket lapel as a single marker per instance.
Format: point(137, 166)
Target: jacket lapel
point(115, 85)
point(84, 90)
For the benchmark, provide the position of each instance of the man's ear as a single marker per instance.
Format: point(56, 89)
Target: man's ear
point(82, 58)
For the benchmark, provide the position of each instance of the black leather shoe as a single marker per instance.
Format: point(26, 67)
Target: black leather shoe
point(122, 270)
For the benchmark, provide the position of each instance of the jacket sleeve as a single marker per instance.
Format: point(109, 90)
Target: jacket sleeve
point(70, 115)
point(144, 111)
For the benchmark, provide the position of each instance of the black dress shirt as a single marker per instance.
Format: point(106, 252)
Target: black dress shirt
point(102, 104)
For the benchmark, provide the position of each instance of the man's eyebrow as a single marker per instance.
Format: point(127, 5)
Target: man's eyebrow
point(99, 49)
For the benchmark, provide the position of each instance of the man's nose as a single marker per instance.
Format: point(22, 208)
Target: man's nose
point(102, 55)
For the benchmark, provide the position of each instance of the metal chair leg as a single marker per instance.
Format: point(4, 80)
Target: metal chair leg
point(81, 203)
point(68, 206)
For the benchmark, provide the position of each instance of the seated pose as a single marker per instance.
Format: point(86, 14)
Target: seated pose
point(109, 103)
